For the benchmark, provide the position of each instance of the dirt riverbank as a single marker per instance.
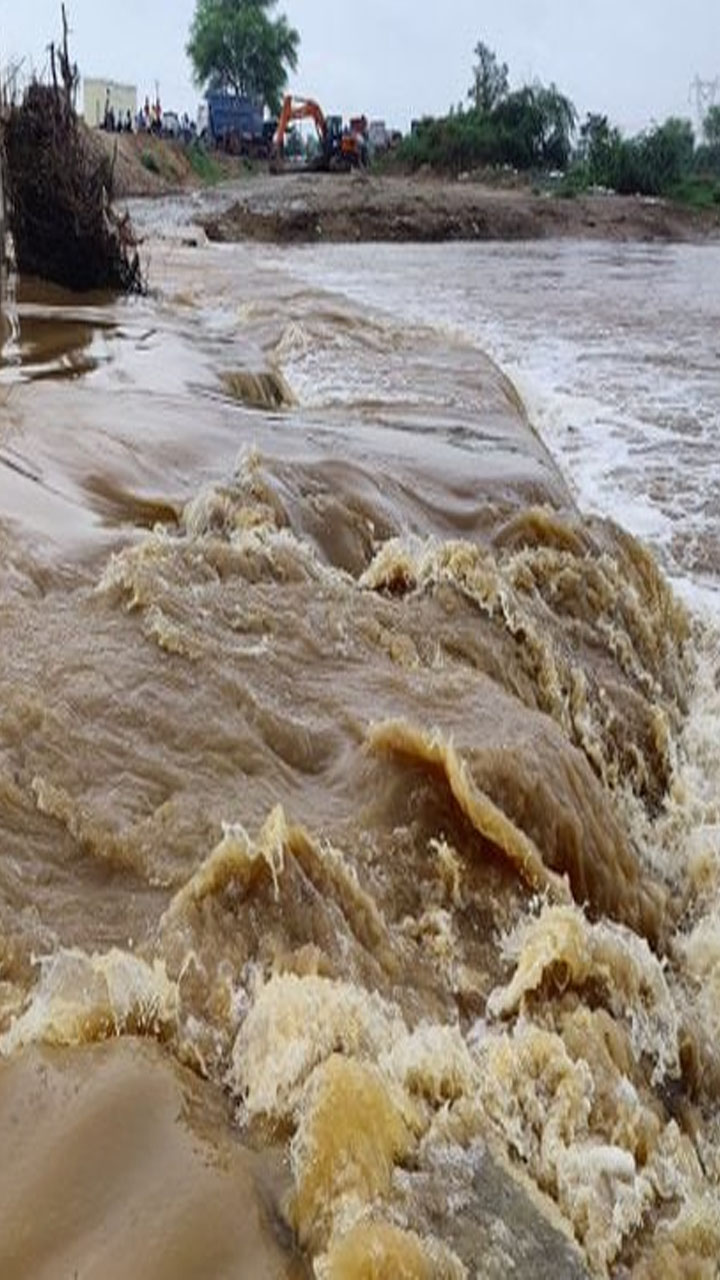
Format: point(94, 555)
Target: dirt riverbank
point(297, 207)
point(350, 207)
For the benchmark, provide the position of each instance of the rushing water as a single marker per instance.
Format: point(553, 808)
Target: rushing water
point(615, 350)
point(360, 863)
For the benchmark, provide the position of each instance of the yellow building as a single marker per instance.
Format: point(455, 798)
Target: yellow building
point(99, 93)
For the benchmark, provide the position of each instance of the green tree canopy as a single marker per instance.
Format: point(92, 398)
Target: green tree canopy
point(536, 125)
point(237, 45)
point(558, 119)
point(653, 163)
point(599, 144)
point(490, 79)
point(711, 127)
point(669, 150)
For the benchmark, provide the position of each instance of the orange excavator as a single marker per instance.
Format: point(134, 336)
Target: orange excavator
point(339, 148)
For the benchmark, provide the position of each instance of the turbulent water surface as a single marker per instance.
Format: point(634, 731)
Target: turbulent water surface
point(360, 854)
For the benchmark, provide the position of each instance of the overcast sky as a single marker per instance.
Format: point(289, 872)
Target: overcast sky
point(393, 59)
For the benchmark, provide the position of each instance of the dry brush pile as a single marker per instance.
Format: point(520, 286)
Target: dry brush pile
point(58, 193)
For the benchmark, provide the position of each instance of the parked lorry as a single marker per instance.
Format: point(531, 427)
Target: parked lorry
point(236, 124)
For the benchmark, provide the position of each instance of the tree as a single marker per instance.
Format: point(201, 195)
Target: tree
point(490, 79)
point(667, 155)
point(599, 145)
point(534, 126)
point(707, 157)
point(558, 119)
point(236, 45)
point(711, 127)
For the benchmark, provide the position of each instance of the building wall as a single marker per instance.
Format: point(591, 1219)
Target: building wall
point(123, 97)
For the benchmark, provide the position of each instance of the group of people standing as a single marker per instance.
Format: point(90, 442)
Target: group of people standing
point(148, 118)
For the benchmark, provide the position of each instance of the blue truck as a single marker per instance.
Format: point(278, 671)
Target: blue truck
point(236, 124)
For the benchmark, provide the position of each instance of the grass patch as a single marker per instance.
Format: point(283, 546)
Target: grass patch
point(149, 162)
point(203, 165)
point(697, 193)
point(571, 184)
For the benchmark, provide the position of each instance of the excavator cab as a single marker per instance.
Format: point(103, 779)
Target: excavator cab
point(332, 141)
point(344, 148)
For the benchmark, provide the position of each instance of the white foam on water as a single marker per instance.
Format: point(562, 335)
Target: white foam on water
point(613, 348)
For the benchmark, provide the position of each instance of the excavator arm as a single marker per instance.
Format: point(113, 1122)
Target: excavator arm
point(298, 109)
point(339, 149)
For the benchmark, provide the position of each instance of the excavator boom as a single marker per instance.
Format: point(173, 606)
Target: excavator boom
point(298, 109)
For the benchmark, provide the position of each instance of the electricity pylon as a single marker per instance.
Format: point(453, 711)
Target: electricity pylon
point(704, 94)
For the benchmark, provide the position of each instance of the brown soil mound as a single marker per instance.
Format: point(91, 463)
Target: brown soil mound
point(301, 207)
point(145, 165)
point(340, 207)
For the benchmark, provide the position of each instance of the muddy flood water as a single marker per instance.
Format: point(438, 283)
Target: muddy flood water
point(359, 820)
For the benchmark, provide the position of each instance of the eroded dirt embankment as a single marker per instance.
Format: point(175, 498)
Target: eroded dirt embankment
point(351, 207)
point(297, 207)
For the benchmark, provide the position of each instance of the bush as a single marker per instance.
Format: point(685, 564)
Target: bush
point(203, 164)
point(529, 129)
point(58, 197)
point(149, 162)
point(698, 192)
point(451, 144)
point(651, 164)
point(707, 160)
